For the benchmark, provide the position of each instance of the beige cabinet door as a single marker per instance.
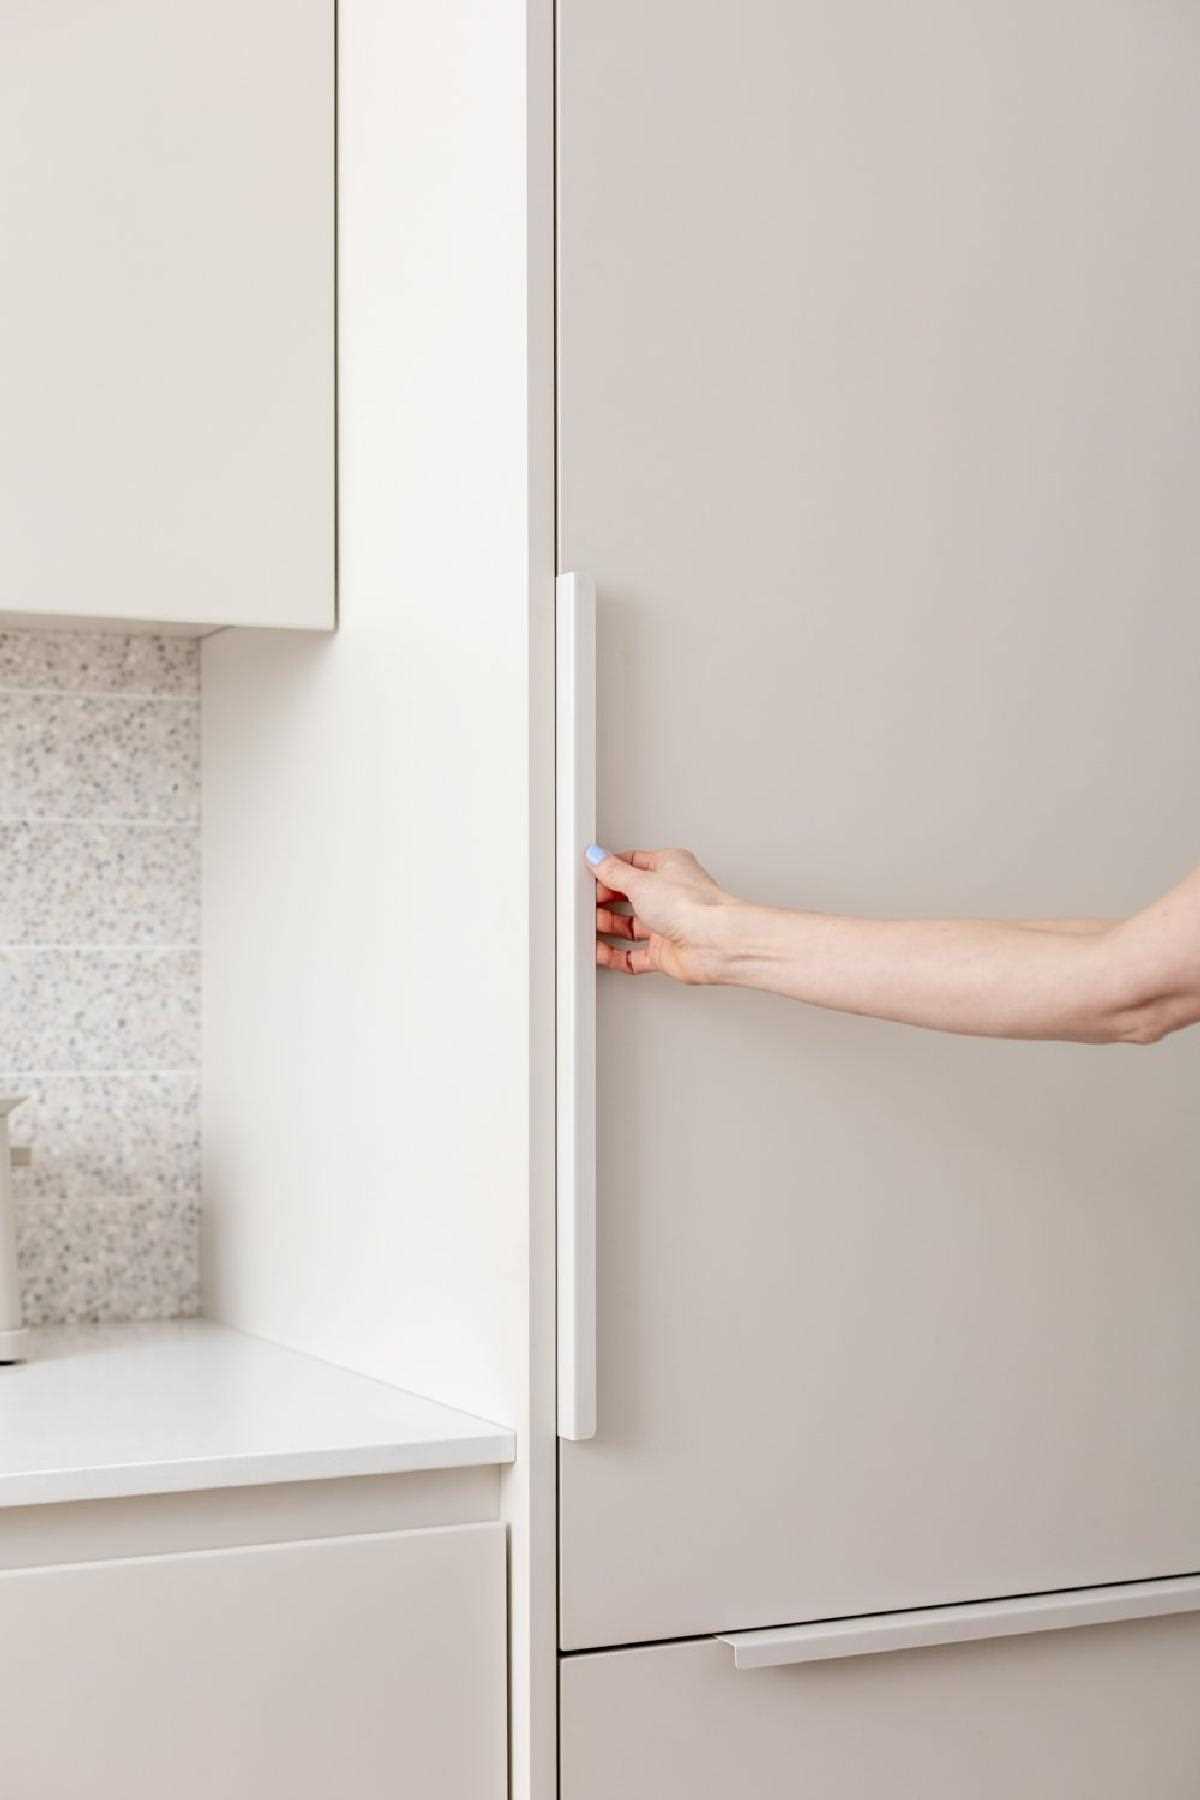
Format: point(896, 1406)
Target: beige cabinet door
point(877, 430)
point(368, 1666)
point(166, 310)
point(1101, 1714)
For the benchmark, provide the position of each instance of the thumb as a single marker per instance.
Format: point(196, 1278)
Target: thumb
point(621, 876)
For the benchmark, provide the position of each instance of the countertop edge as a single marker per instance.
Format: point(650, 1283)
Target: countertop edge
point(430, 1435)
point(128, 1481)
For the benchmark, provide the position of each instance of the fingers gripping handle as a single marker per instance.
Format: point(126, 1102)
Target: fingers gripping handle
point(575, 781)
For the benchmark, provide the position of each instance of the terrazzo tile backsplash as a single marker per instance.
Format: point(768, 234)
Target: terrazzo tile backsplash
point(100, 968)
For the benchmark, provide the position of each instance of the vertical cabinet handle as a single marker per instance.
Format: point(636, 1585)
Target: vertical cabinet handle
point(575, 782)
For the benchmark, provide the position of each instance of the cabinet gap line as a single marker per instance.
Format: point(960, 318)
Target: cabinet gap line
point(891, 1612)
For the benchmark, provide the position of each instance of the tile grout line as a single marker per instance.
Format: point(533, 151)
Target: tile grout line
point(55, 693)
point(87, 1197)
point(124, 945)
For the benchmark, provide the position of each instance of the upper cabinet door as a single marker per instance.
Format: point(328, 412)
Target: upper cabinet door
point(167, 310)
point(878, 431)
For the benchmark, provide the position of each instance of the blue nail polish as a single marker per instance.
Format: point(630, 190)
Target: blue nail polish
point(595, 854)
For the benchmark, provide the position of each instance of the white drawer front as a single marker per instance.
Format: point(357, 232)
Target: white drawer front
point(1106, 1713)
point(371, 1667)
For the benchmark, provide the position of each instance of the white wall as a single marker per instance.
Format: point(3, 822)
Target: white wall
point(366, 796)
point(369, 1085)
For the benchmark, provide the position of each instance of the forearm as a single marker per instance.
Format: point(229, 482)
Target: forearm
point(987, 978)
point(1075, 927)
point(1089, 981)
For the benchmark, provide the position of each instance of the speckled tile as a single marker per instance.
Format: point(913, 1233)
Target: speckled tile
point(107, 1137)
point(99, 970)
point(84, 756)
point(80, 1010)
point(81, 883)
point(95, 1261)
point(100, 662)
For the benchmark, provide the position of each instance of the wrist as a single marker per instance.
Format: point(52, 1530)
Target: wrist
point(721, 940)
point(750, 943)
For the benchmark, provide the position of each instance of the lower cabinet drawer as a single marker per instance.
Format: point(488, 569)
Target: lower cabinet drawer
point(369, 1667)
point(1110, 1712)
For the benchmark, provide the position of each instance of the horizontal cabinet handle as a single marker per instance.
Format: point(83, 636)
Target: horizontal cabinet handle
point(878, 1632)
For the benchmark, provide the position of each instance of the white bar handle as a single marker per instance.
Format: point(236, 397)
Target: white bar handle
point(960, 1624)
point(575, 780)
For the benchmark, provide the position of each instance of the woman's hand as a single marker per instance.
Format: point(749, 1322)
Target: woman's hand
point(679, 921)
point(1088, 981)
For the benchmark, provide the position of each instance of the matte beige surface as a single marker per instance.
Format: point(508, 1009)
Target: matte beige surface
point(371, 1666)
point(166, 311)
point(1102, 1714)
point(877, 358)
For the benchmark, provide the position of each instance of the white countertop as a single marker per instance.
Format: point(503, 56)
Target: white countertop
point(100, 1411)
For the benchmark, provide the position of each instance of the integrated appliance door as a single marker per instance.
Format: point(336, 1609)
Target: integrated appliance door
point(879, 436)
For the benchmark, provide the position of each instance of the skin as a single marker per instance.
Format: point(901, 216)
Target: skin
point(1084, 981)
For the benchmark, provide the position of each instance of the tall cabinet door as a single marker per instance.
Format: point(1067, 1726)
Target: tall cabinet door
point(878, 431)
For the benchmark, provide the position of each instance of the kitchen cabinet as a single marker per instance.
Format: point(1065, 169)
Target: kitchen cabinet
point(371, 1664)
point(851, 376)
point(167, 312)
point(870, 438)
point(1095, 1714)
point(236, 1570)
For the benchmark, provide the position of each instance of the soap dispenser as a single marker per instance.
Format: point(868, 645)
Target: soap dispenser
point(13, 1338)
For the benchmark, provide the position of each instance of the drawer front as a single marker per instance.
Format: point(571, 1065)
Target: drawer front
point(1104, 1713)
point(369, 1666)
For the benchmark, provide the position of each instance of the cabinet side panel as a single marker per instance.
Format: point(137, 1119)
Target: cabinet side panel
point(365, 796)
point(379, 1008)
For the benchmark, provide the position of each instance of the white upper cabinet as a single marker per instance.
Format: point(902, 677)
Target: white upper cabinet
point(167, 311)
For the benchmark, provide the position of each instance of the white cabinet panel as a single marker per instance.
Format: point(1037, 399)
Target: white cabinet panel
point(166, 310)
point(368, 1666)
point(1097, 1714)
point(876, 328)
